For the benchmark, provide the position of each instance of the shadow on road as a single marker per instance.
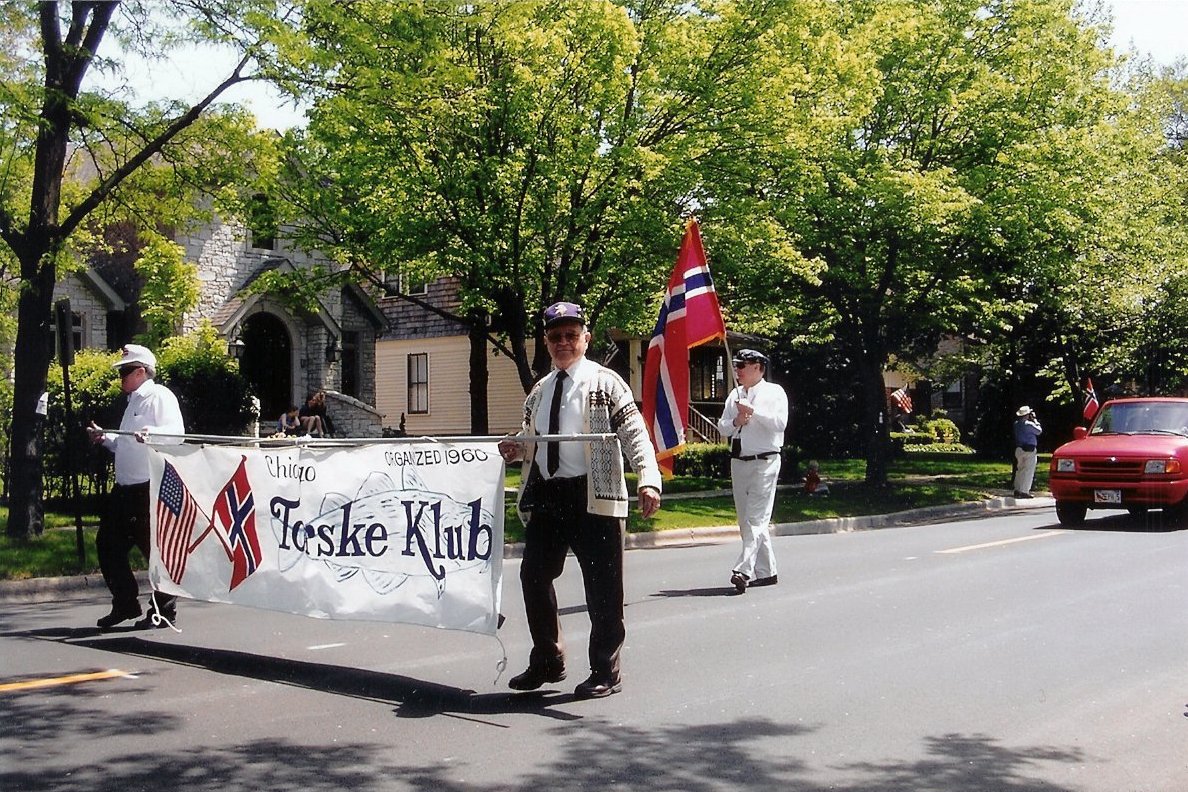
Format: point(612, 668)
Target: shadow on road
point(716, 591)
point(414, 698)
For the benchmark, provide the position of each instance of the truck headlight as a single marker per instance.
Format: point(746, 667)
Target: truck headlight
point(1066, 465)
point(1162, 466)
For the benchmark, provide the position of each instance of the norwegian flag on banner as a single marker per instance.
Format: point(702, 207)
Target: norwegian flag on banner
point(689, 316)
point(902, 399)
point(1091, 405)
point(177, 512)
point(234, 517)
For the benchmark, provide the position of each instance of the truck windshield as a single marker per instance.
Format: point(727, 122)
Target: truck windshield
point(1142, 418)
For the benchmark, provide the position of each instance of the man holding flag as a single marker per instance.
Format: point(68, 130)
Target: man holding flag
point(754, 418)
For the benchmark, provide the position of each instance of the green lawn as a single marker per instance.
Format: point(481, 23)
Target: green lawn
point(913, 483)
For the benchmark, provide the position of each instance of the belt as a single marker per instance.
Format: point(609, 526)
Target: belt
point(1027, 448)
point(753, 457)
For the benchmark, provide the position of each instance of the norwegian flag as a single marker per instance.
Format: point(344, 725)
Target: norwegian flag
point(689, 316)
point(902, 400)
point(234, 517)
point(177, 512)
point(1091, 405)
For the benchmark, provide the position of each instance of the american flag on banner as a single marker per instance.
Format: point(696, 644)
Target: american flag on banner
point(177, 512)
point(234, 517)
point(689, 316)
point(1091, 405)
point(902, 400)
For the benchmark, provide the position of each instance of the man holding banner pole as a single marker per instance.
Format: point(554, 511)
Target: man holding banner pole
point(124, 523)
point(573, 496)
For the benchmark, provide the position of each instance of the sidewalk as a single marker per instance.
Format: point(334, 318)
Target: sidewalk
point(49, 589)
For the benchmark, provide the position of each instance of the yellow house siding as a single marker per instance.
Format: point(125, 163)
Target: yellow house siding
point(449, 387)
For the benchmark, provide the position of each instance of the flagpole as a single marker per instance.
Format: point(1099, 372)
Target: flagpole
point(730, 364)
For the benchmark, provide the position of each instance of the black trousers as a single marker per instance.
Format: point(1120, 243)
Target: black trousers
point(123, 525)
point(559, 524)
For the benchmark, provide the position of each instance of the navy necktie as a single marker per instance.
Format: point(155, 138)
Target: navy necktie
point(553, 451)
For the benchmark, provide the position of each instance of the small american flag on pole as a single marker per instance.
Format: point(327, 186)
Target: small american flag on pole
point(902, 400)
point(177, 512)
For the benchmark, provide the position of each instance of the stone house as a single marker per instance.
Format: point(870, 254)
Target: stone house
point(285, 354)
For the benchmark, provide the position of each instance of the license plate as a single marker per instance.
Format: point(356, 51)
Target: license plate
point(1107, 496)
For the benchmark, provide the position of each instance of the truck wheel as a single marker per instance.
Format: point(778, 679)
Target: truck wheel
point(1175, 517)
point(1070, 513)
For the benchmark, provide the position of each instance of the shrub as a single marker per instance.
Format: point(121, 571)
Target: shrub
point(712, 460)
point(944, 430)
point(703, 460)
point(214, 397)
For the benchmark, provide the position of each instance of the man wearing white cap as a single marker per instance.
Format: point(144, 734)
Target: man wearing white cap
point(125, 522)
point(1027, 432)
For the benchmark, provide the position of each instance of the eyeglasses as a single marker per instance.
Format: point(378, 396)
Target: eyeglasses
point(126, 370)
point(570, 336)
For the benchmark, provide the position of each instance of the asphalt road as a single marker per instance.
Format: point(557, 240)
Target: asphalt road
point(1001, 653)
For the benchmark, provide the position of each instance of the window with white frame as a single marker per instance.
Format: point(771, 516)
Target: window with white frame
point(418, 383)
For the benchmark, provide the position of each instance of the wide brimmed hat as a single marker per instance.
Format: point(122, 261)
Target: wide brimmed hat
point(1024, 410)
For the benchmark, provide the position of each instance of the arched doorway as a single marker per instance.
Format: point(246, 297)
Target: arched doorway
point(267, 364)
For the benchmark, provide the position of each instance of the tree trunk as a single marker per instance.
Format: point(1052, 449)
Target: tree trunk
point(31, 364)
point(874, 418)
point(479, 373)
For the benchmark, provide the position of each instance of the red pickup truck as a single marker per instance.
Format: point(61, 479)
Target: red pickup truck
point(1133, 456)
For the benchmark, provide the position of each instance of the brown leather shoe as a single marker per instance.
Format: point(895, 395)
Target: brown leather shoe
point(598, 686)
point(537, 675)
point(739, 581)
point(766, 581)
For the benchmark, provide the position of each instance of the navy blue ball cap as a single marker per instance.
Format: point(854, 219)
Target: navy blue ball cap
point(750, 356)
point(560, 312)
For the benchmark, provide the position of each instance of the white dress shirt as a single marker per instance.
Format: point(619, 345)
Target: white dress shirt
point(152, 408)
point(571, 455)
point(765, 432)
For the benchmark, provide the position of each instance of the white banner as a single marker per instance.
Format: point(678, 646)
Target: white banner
point(409, 532)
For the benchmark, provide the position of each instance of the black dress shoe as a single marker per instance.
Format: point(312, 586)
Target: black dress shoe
point(598, 686)
point(537, 675)
point(739, 581)
point(117, 615)
point(1024, 495)
point(771, 580)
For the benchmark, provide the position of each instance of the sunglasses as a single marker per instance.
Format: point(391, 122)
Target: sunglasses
point(126, 370)
point(556, 338)
point(743, 363)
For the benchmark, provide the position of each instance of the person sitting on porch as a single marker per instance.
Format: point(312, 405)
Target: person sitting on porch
point(289, 424)
point(314, 419)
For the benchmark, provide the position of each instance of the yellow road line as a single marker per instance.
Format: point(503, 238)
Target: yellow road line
point(1001, 542)
point(70, 679)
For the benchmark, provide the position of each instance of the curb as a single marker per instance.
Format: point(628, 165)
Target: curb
point(47, 589)
point(869, 522)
